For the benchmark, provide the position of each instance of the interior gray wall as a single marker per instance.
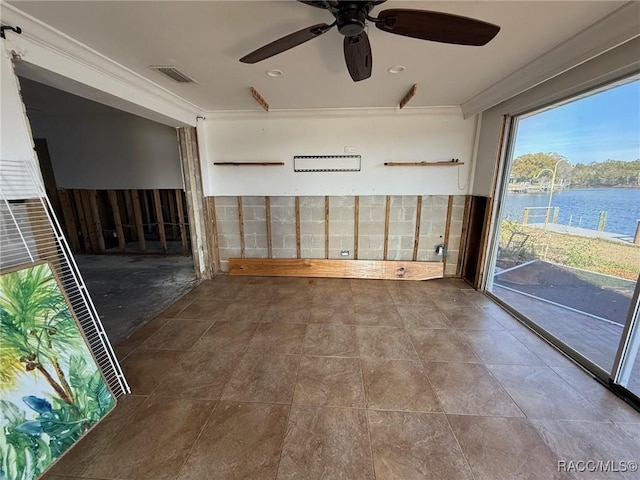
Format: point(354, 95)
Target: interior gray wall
point(93, 146)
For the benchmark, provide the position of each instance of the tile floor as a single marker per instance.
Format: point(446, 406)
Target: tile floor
point(287, 378)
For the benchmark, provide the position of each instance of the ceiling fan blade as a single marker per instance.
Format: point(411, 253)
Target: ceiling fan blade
point(285, 43)
point(315, 3)
point(357, 55)
point(436, 26)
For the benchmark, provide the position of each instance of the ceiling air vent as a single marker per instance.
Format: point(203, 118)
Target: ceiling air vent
point(173, 73)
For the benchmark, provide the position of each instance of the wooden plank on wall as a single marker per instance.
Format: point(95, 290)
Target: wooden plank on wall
point(416, 237)
point(212, 233)
point(241, 220)
point(160, 220)
point(463, 234)
point(323, 268)
point(137, 213)
point(84, 229)
point(356, 225)
point(183, 226)
point(386, 227)
point(447, 229)
point(69, 220)
point(298, 249)
point(326, 226)
point(97, 224)
point(88, 216)
point(267, 206)
point(117, 218)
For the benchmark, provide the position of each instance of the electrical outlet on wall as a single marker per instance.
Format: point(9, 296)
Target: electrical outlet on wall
point(349, 149)
point(344, 253)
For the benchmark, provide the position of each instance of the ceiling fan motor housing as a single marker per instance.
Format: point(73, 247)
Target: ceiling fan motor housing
point(351, 18)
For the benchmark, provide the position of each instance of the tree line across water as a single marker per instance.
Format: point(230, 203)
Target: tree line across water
point(538, 167)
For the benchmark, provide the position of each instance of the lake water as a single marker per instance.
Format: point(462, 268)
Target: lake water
point(582, 207)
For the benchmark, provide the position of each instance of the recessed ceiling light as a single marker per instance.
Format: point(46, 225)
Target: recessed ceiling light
point(397, 69)
point(274, 73)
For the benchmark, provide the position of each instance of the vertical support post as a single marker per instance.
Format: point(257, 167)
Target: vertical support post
point(117, 219)
point(160, 220)
point(213, 232)
point(88, 215)
point(170, 199)
point(447, 232)
point(183, 227)
point(326, 226)
point(69, 220)
point(356, 226)
point(416, 236)
point(636, 238)
point(137, 213)
point(267, 206)
point(241, 221)
point(190, 159)
point(386, 227)
point(84, 230)
point(298, 249)
point(525, 216)
point(556, 213)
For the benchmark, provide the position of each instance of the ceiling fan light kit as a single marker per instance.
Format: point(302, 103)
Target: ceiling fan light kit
point(351, 20)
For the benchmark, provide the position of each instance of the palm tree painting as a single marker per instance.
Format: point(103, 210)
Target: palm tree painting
point(51, 390)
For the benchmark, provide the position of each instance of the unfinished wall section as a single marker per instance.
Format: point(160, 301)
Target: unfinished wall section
point(324, 227)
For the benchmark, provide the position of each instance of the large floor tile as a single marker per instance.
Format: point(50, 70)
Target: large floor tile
point(199, 374)
point(240, 441)
point(604, 400)
point(378, 315)
point(472, 318)
point(244, 311)
point(541, 393)
point(326, 443)
point(176, 335)
point(287, 312)
point(156, 442)
point(329, 381)
point(204, 308)
point(331, 341)
point(228, 336)
point(83, 453)
point(146, 369)
point(505, 449)
point(415, 446)
point(421, 316)
point(341, 313)
point(398, 385)
point(441, 345)
point(385, 342)
point(371, 296)
point(263, 378)
point(632, 430)
point(470, 389)
point(499, 347)
point(143, 333)
point(548, 354)
point(278, 338)
point(594, 441)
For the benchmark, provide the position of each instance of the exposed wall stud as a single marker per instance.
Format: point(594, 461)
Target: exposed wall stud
point(408, 96)
point(84, 230)
point(463, 233)
point(181, 222)
point(117, 219)
point(213, 221)
point(267, 206)
point(447, 230)
point(386, 227)
point(326, 226)
point(169, 199)
point(416, 238)
point(160, 220)
point(69, 220)
point(356, 224)
point(298, 249)
point(241, 221)
point(137, 213)
point(88, 215)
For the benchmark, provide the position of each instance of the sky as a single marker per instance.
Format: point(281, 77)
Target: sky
point(592, 129)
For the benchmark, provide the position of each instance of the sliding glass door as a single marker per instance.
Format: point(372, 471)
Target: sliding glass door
point(566, 251)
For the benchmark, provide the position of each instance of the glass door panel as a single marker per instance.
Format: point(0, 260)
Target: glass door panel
point(567, 251)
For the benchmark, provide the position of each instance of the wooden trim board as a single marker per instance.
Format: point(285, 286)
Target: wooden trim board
point(322, 268)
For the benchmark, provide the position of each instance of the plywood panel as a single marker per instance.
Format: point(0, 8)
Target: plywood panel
point(372, 269)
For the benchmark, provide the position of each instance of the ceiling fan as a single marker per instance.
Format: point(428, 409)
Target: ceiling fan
point(351, 16)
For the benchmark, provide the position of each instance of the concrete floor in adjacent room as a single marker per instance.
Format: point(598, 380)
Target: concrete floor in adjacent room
point(293, 378)
point(130, 290)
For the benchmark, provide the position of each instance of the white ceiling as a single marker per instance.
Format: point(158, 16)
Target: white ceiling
point(205, 39)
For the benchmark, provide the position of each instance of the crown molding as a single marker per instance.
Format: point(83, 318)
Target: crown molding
point(611, 31)
point(50, 49)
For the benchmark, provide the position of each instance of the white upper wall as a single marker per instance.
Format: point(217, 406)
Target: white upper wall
point(379, 136)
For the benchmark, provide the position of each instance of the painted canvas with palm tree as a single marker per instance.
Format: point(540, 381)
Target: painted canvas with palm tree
point(51, 390)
